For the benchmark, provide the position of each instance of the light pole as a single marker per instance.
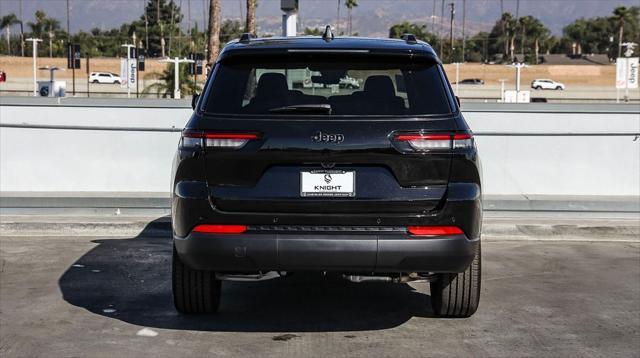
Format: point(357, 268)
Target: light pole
point(457, 77)
point(176, 73)
point(34, 43)
point(518, 67)
point(453, 12)
point(502, 81)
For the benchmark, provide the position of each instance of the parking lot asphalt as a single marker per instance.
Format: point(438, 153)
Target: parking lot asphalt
point(111, 296)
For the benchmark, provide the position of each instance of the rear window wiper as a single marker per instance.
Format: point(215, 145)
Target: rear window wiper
point(303, 108)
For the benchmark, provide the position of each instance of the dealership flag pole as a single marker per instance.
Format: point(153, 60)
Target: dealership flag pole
point(128, 71)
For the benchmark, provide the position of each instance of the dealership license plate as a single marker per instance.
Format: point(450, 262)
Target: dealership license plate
point(332, 183)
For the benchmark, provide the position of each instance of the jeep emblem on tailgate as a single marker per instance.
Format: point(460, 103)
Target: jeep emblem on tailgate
point(327, 138)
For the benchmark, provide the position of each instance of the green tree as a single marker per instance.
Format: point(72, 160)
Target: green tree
point(313, 31)
point(419, 31)
point(532, 34)
point(229, 30)
point(51, 25)
point(477, 47)
point(597, 35)
point(502, 35)
point(164, 85)
point(623, 16)
point(5, 24)
point(163, 23)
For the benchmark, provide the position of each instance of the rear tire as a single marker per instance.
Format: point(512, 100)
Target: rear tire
point(456, 295)
point(95, 81)
point(194, 291)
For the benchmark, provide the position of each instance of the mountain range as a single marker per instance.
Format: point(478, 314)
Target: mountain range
point(370, 18)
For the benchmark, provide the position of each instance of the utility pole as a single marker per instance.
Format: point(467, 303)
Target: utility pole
point(464, 20)
point(453, 11)
point(433, 18)
point(338, 21)
point(146, 27)
point(68, 24)
point(176, 73)
point(34, 43)
point(21, 32)
point(189, 25)
point(440, 30)
point(88, 76)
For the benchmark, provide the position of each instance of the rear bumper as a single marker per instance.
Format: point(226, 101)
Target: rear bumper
point(387, 253)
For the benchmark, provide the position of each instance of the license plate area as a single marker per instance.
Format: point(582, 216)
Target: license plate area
point(327, 183)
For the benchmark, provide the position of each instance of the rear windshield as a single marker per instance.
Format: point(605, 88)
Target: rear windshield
point(327, 88)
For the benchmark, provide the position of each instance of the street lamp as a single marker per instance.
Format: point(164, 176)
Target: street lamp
point(176, 73)
point(34, 42)
point(518, 66)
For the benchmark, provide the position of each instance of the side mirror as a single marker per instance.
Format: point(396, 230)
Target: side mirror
point(194, 100)
point(458, 100)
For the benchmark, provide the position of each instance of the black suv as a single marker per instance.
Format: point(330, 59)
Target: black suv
point(282, 169)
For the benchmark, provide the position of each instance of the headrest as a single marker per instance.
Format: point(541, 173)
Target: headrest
point(272, 85)
point(379, 86)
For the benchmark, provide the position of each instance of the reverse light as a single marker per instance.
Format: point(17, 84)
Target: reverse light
point(219, 229)
point(436, 141)
point(434, 230)
point(192, 139)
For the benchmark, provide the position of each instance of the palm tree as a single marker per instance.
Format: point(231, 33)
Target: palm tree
point(6, 23)
point(350, 4)
point(251, 17)
point(164, 85)
point(214, 30)
point(51, 25)
point(622, 15)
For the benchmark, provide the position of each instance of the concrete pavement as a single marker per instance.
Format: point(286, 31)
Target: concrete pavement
point(110, 296)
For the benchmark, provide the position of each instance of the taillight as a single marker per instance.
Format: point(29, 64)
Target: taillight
point(434, 230)
point(220, 229)
point(436, 141)
point(192, 139)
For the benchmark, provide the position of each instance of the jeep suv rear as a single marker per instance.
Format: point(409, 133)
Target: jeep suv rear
point(374, 182)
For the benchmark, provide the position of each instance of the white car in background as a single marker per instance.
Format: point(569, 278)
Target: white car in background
point(546, 84)
point(104, 77)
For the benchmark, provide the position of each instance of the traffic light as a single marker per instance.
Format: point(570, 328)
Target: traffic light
point(73, 56)
point(196, 67)
point(141, 56)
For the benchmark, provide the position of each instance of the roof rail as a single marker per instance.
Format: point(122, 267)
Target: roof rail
point(410, 38)
point(327, 35)
point(246, 37)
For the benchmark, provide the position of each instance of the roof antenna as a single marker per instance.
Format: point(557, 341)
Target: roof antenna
point(328, 35)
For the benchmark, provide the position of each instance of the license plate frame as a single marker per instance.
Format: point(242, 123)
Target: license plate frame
point(325, 178)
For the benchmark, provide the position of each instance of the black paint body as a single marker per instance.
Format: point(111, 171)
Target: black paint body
point(259, 184)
